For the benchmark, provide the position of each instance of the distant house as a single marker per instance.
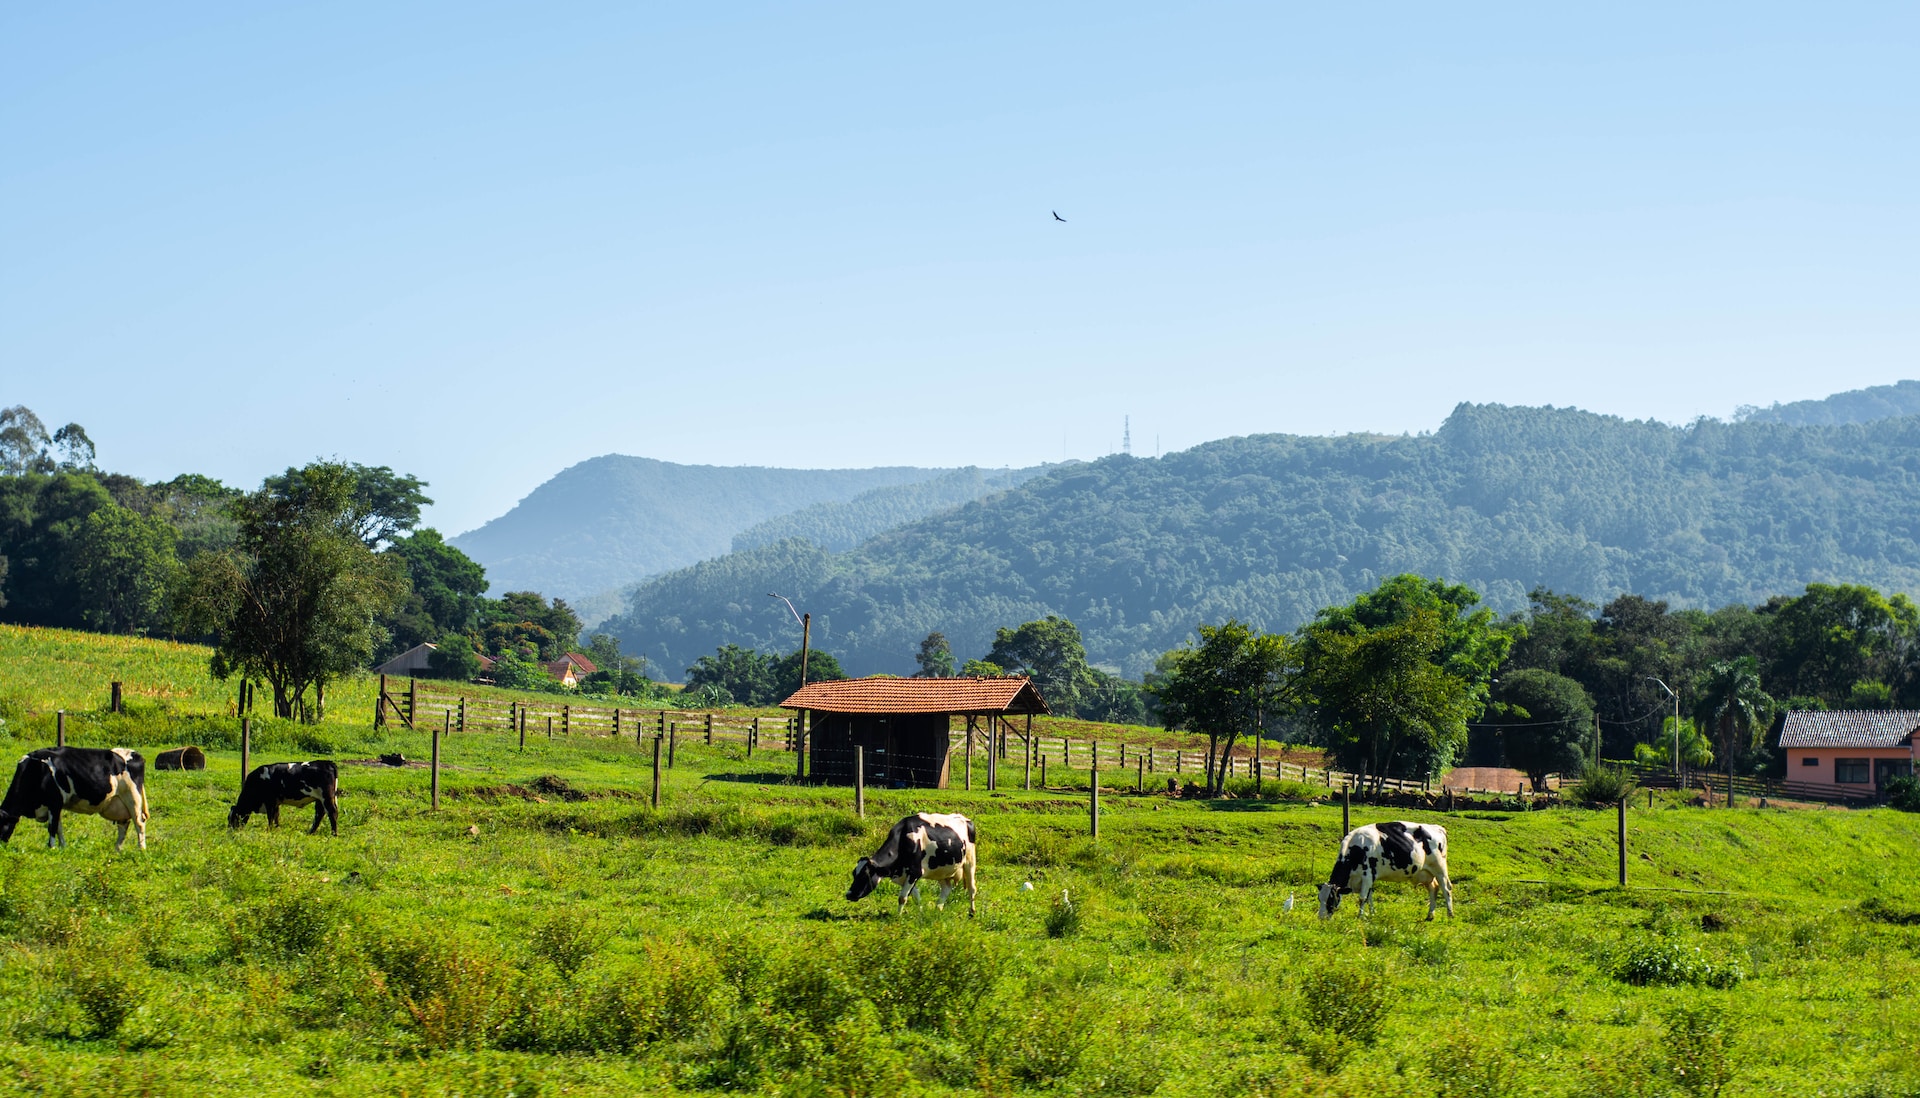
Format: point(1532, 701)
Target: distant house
point(1851, 749)
point(412, 662)
point(571, 668)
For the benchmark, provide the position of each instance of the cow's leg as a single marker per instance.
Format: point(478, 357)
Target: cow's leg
point(946, 889)
point(333, 811)
point(273, 815)
point(1433, 894)
point(121, 842)
point(973, 888)
point(319, 813)
point(1446, 885)
point(56, 835)
point(908, 890)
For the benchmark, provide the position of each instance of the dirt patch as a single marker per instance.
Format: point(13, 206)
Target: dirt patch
point(1499, 779)
point(545, 788)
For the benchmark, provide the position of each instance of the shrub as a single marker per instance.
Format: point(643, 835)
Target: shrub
point(1661, 961)
point(103, 992)
point(293, 926)
point(565, 942)
point(1601, 785)
point(1697, 1055)
point(1903, 793)
point(930, 978)
point(1172, 923)
point(1050, 1039)
point(1064, 919)
point(1466, 1066)
point(1350, 1003)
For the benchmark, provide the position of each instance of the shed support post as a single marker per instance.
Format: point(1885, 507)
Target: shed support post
point(860, 781)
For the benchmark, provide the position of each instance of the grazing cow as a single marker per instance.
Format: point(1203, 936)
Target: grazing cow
point(926, 846)
point(296, 785)
point(1389, 852)
point(107, 782)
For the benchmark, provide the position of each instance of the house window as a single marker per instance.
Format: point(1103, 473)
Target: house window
point(1852, 771)
point(1809, 760)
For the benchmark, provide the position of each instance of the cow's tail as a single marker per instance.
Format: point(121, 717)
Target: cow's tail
point(972, 836)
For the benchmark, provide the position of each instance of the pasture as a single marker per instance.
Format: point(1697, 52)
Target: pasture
point(547, 932)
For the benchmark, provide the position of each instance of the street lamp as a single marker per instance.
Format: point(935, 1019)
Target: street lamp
point(806, 637)
point(1676, 727)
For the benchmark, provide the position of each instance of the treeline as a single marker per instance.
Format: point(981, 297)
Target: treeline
point(838, 525)
point(321, 571)
point(1269, 529)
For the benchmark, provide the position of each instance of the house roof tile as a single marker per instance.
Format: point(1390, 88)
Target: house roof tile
point(881, 694)
point(1849, 728)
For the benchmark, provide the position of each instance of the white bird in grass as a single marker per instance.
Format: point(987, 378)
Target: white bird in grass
point(1289, 903)
point(1026, 886)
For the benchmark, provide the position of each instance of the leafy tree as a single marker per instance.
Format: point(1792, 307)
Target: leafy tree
point(982, 669)
point(1833, 636)
point(24, 442)
point(383, 504)
point(1050, 652)
point(1114, 699)
point(454, 658)
point(523, 639)
point(513, 671)
point(519, 609)
point(42, 517)
point(124, 570)
point(745, 675)
point(297, 600)
point(1733, 705)
point(445, 590)
point(935, 658)
point(1696, 750)
point(1224, 687)
point(785, 680)
point(75, 447)
point(1544, 722)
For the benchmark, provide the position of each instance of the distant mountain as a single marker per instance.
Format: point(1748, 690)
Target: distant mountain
point(1271, 528)
point(613, 520)
point(838, 526)
point(1902, 398)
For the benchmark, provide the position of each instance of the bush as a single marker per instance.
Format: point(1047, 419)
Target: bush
point(565, 942)
point(1063, 919)
point(292, 926)
point(1697, 1054)
point(1466, 1066)
point(1349, 1003)
point(1173, 923)
point(1903, 793)
point(103, 992)
point(1601, 785)
point(928, 979)
point(1660, 961)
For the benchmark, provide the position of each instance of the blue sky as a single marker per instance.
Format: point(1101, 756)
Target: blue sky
point(481, 242)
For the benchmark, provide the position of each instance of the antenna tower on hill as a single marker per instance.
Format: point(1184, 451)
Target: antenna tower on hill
point(1126, 434)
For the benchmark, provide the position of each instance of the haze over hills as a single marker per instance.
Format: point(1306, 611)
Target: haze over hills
point(1271, 528)
point(615, 519)
point(1902, 398)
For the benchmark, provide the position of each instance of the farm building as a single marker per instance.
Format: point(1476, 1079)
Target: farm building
point(1850, 748)
point(412, 662)
point(571, 668)
point(903, 724)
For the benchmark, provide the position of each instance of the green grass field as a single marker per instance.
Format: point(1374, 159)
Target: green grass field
point(547, 932)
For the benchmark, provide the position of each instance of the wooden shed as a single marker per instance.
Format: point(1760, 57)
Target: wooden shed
point(904, 724)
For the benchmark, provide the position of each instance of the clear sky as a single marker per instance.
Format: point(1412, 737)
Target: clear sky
point(481, 242)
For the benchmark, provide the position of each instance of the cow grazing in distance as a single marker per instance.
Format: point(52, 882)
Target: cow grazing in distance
point(926, 846)
point(290, 784)
point(1389, 852)
point(107, 782)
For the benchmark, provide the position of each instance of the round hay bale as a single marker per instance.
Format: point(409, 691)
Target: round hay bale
point(181, 758)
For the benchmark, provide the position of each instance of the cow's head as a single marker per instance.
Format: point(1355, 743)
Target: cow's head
point(7, 823)
point(864, 878)
point(1329, 899)
point(235, 817)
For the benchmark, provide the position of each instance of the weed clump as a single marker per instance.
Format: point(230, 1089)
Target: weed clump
point(1697, 1048)
point(103, 992)
point(1466, 1066)
point(1601, 785)
point(564, 942)
point(1344, 1009)
point(1064, 918)
point(1662, 961)
point(1172, 923)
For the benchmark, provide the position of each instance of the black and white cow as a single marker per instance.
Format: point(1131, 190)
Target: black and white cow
point(926, 846)
point(1389, 852)
point(110, 783)
point(274, 786)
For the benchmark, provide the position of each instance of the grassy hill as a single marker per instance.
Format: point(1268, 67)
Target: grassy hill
point(546, 932)
point(1271, 528)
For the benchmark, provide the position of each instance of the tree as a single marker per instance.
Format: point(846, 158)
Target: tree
point(1395, 675)
point(821, 667)
point(744, 675)
point(1383, 699)
point(76, 448)
point(1696, 750)
point(616, 672)
point(556, 626)
point(382, 504)
point(1833, 636)
point(124, 570)
point(982, 669)
point(1226, 686)
point(454, 658)
point(1732, 704)
point(1544, 722)
point(1051, 653)
point(24, 442)
point(298, 598)
point(445, 590)
point(935, 658)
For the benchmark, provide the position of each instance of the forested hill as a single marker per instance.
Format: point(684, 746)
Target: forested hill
point(1902, 398)
point(839, 525)
point(1271, 528)
point(615, 519)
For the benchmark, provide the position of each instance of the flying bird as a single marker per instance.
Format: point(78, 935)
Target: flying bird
point(1056, 215)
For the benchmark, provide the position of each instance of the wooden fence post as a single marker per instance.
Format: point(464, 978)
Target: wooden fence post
point(753, 736)
point(969, 765)
point(1346, 810)
point(1622, 837)
point(1043, 771)
point(616, 722)
point(412, 714)
point(656, 772)
point(462, 726)
point(549, 729)
point(709, 728)
point(380, 706)
point(1093, 796)
point(436, 770)
point(673, 737)
point(60, 728)
point(246, 748)
point(113, 704)
point(523, 730)
point(1149, 760)
point(566, 720)
point(860, 781)
point(1140, 777)
point(1026, 757)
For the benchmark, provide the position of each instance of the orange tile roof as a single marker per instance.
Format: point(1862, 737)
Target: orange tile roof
point(881, 694)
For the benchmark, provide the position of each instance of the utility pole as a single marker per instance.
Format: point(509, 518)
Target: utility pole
point(1676, 729)
point(806, 643)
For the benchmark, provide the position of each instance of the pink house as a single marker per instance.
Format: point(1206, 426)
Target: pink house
point(1850, 749)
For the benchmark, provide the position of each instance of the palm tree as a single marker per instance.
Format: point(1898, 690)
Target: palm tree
point(1733, 705)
